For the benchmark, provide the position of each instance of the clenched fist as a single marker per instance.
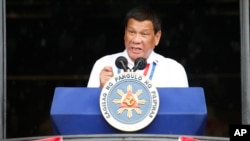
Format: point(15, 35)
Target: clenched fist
point(105, 75)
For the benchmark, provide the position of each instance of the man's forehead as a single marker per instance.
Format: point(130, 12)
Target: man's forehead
point(142, 25)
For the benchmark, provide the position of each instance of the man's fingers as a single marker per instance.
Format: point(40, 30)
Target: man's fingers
point(105, 75)
point(108, 69)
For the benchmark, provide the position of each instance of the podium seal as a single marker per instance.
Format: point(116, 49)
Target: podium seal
point(129, 102)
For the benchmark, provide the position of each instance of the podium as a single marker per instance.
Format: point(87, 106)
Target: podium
point(76, 110)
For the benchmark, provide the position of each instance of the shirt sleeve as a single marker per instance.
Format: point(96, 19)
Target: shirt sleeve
point(182, 77)
point(94, 80)
point(178, 75)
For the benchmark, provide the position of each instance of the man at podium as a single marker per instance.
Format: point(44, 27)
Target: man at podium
point(141, 35)
point(124, 92)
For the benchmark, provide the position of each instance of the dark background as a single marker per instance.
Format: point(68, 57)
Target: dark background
point(53, 43)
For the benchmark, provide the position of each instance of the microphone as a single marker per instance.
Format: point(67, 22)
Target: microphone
point(140, 63)
point(122, 63)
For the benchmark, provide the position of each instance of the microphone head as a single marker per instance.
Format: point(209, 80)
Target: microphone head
point(140, 63)
point(121, 62)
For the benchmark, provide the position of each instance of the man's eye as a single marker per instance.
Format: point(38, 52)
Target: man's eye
point(131, 31)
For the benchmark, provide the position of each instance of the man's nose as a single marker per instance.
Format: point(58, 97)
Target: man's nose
point(137, 38)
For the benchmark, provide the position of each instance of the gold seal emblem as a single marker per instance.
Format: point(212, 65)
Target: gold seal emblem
point(129, 102)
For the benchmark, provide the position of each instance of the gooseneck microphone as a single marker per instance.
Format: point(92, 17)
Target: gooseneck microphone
point(140, 63)
point(122, 63)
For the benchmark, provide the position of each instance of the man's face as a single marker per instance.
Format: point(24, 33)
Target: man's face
point(140, 39)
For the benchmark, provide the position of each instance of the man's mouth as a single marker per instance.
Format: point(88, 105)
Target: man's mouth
point(136, 49)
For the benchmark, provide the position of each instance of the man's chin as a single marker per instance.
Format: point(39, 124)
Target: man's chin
point(134, 57)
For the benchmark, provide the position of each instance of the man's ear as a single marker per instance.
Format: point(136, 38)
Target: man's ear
point(157, 37)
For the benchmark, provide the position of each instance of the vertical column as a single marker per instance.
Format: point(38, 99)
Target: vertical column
point(245, 61)
point(2, 70)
